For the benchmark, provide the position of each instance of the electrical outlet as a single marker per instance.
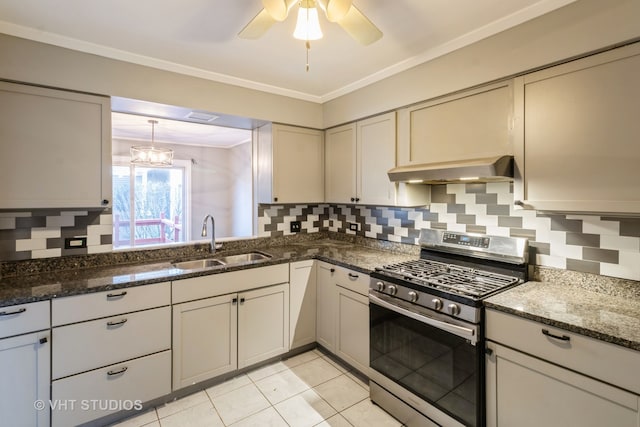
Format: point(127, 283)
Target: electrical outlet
point(75, 242)
point(296, 226)
point(353, 226)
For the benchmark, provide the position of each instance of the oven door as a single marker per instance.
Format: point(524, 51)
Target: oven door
point(431, 355)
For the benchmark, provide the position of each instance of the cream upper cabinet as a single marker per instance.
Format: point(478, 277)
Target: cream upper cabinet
point(358, 158)
point(290, 164)
point(55, 148)
point(578, 133)
point(471, 124)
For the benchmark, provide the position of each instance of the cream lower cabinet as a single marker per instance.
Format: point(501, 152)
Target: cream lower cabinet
point(227, 321)
point(111, 351)
point(343, 314)
point(25, 365)
point(552, 378)
point(302, 297)
point(326, 306)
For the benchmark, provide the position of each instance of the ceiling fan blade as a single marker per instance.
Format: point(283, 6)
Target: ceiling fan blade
point(335, 9)
point(359, 27)
point(278, 9)
point(258, 26)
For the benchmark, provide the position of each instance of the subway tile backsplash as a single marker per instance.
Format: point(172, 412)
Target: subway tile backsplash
point(594, 244)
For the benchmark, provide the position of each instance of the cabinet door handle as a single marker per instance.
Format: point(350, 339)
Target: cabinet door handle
point(118, 372)
point(13, 313)
point(43, 340)
point(241, 300)
point(353, 276)
point(353, 199)
point(121, 294)
point(234, 301)
point(117, 322)
point(557, 337)
point(332, 270)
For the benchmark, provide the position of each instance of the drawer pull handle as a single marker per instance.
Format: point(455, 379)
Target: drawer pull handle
point(118, 372)
point(12, 313)
point(121, 294)
point(353, 276)
point(117, 322)
point(557, 337)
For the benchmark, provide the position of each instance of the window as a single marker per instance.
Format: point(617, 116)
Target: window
point(150, 204)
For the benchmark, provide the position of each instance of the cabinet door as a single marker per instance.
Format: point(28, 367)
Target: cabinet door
point(56, 148)
point(24, 369)
point(204, 339)
point(340, 170)
point(525, 391)
point(577, 136)
point(376, 148)
point(298, 165)
point(263, 324)
point(326, 306)
point(302, 311)
point(352, 344)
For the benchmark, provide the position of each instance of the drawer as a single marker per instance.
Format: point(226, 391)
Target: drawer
point(114, 388)
point(607, 362)
point(80, 308)
point(24, 318)
point(352, 280)
point(226, 283)
point(89, 345)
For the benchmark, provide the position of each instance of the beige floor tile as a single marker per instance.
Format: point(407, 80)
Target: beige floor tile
point(300, 359)
point(182, 404)
point(341, 392)
point(202, 415)
point(335, 421)
point(366, 414)
point(229, 385)
point(305, 409)
point(281, 386)
point(359, 380)
point(268, 370)
point(316, 371)
point(140, 420)
point(338, 366)
point(240, 403)
point(266, 418)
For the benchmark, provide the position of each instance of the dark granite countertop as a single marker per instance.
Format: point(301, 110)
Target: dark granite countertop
point(22, 288)
point(604, 308)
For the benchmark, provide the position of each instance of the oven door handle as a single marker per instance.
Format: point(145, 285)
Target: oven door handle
point(460, 331)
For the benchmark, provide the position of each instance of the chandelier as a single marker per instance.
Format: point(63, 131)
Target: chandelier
point(150, 155)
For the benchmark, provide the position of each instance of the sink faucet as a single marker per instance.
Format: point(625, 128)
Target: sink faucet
point(214, 246)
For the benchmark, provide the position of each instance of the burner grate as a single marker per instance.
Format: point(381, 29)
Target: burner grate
point(451, 278)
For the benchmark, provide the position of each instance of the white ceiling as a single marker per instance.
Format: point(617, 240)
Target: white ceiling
point(138, 128)
point(199, 37)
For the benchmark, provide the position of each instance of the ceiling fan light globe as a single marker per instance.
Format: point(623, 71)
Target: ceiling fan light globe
point(308, 24)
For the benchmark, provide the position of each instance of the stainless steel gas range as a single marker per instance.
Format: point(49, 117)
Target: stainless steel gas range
point(426, 326)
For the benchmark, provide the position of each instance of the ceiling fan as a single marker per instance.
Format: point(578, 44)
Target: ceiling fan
point(342, 12)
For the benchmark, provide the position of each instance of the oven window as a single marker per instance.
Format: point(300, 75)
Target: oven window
point(439, 367)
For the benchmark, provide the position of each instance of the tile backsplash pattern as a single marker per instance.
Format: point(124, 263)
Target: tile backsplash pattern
point(593, 244)
point(42, 233)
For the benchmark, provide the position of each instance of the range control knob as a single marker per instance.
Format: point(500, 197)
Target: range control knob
point(437, 304)
point(454, 310)
point(413, 296)
point(380, 286)
point(392, 290)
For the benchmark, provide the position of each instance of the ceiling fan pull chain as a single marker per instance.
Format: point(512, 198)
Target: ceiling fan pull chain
point(308, 45)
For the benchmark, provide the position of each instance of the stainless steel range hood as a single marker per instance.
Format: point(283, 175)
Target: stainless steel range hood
point(488, 169)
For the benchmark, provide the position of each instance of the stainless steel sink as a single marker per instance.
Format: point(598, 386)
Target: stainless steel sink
point(246, 257)
point(197, 264)
point(220, 261)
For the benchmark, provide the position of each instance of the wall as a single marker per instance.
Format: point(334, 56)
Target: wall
point(39, 63)
point(602, 245)
point(576, 29)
